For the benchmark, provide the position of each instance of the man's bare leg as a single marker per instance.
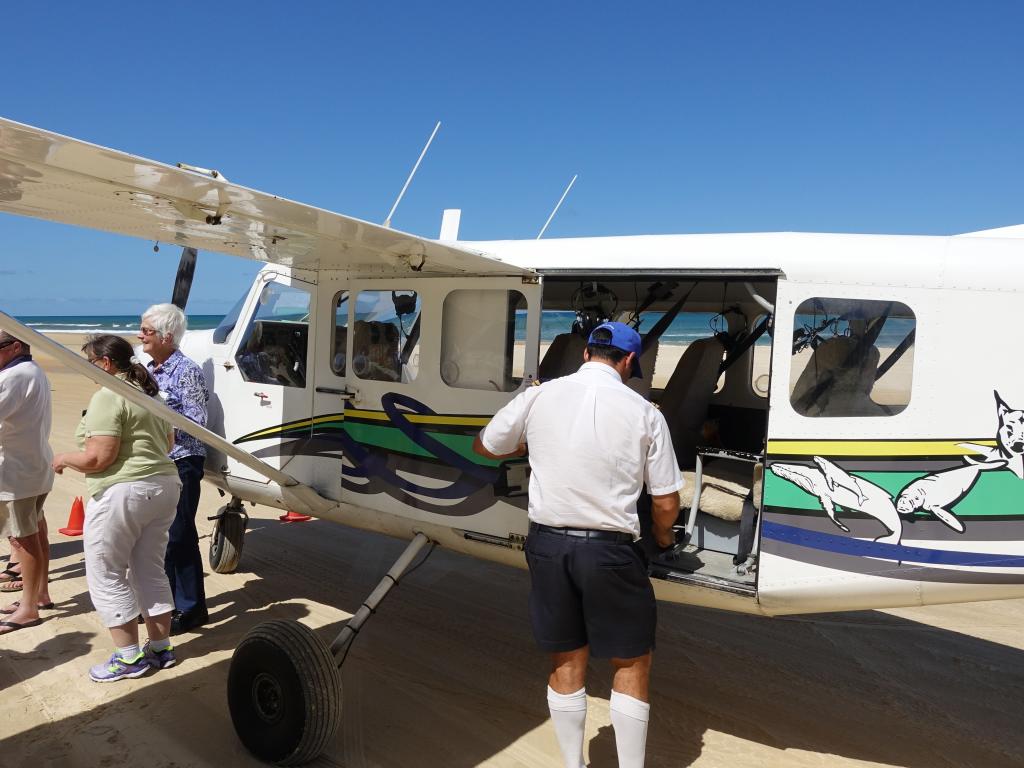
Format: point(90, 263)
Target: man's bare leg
point(43, 577)
point(630, 709)
point(567, 702)
point(27, 609)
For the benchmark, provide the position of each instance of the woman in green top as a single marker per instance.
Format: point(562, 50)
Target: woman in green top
point(133, 492)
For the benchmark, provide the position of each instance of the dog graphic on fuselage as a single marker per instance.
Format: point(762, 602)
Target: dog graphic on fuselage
point(1009, 439)
point(1010, 436)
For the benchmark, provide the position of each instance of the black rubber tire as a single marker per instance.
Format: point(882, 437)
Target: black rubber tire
point(227, 541)
point(284, 693)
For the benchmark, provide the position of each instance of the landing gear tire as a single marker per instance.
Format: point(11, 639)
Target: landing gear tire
point(227, 540)
point(284, 693)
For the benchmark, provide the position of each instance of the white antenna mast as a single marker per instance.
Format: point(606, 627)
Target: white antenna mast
point(557, 206)
point(387, 221)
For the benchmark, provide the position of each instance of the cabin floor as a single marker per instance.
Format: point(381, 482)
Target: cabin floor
point(704, 567)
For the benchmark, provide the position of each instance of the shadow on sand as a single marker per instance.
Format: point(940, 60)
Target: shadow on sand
point(446, 675)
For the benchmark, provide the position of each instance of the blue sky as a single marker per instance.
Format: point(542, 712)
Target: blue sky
point(868, 116)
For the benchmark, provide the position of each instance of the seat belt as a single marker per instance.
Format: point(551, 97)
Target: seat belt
point(737, 352)
point(664, 322)
point(410, 342)
point(896, 354)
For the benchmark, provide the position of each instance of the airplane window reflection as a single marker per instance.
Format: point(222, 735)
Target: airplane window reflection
point(385, 335)
point(273, 349)
point(852, 357)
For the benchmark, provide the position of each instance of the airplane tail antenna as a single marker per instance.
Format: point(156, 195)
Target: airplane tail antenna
point(557, 206)
point(408, 181)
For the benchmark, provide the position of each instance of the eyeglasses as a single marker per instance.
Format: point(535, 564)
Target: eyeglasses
point(146, 331)
point(6, 344)
point(94, 360)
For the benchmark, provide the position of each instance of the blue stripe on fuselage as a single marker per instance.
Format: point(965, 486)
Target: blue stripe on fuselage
point(830, 542)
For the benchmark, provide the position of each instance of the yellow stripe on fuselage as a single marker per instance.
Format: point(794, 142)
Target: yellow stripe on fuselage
point(874, 447)
point(418, 418)
point(355, 413)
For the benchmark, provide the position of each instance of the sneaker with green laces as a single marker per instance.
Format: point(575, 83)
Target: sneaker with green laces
point(116, 668)
point(159, 659)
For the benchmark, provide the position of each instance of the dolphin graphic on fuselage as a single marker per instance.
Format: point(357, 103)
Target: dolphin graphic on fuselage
point(835, 487)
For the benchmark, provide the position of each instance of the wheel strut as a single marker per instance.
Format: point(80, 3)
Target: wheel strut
point(341, 644)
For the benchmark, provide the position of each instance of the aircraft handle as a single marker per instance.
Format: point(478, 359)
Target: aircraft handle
point(342, 393)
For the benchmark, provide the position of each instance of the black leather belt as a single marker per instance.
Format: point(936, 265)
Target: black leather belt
point(583, 533)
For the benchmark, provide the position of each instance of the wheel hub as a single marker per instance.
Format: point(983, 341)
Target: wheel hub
point(267, 698)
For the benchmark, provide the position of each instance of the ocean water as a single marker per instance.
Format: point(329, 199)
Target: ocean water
point(683, 330)
point(103, 323)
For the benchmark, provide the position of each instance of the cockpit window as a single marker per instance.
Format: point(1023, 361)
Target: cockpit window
point(273, 350)
point(852, 357)
point(223, 331)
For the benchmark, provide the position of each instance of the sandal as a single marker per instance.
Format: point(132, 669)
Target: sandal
point(9, 574)
point(12, 585)
point(17, 604)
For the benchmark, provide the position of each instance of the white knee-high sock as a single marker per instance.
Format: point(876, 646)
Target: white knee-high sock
point(569, 716)
point(629, 718)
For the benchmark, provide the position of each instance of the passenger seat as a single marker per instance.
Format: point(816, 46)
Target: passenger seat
point(686, 398)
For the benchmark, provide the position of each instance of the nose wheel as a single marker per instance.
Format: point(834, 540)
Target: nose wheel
point(228, 537)
point(284, 683)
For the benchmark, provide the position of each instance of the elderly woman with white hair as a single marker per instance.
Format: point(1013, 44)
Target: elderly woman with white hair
point(183, 385)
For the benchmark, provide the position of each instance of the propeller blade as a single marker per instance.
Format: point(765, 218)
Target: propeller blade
point(183, 280)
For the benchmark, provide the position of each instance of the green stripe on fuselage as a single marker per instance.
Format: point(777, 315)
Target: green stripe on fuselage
point(392, 439)
point(997, 492)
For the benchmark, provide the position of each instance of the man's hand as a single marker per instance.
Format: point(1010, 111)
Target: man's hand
point(665, 539)
point(664, 511)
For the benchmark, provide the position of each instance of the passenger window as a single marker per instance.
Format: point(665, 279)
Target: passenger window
point(852, 357)
point(385, 335)
point(483, 337)
point(339, 345)
point(273, 349)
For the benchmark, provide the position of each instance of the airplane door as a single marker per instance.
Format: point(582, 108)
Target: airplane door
point(430, 360)
point(331, 391)
point(266, 393)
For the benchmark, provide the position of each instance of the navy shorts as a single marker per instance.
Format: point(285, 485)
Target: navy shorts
point(590, 592)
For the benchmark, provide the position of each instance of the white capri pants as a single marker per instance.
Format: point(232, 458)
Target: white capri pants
point(125, 543)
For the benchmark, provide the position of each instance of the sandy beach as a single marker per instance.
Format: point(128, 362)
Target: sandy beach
point(446, 674)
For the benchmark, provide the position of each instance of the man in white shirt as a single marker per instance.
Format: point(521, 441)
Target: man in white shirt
point(593, 444)
point(26, 476)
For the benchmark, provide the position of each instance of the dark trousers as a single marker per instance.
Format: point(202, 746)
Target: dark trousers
point(183, 561)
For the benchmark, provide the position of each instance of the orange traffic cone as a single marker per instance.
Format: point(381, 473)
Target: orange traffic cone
point(294, 517)
point(75, 519)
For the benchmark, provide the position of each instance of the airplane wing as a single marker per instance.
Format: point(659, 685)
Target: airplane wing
point(289, 485)
point(48, 176)
point(1015, 231)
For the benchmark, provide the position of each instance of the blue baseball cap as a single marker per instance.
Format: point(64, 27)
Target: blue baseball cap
point(623, 338)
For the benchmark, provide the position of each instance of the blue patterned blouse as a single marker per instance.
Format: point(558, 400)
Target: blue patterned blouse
point(182, 382)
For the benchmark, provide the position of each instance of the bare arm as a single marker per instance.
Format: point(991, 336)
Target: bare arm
point(100, 452)
point(478, 446)
point(665, 511)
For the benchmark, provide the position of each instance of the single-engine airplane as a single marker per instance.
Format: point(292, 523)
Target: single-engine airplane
point(849, 439)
